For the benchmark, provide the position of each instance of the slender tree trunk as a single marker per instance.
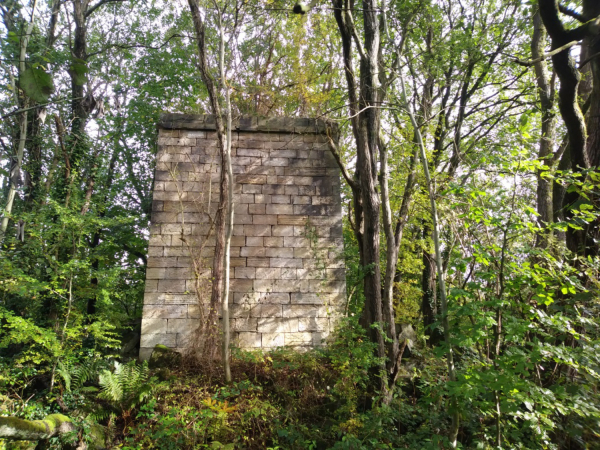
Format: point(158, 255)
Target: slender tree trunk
point(16, 168)
point(229, 232)
point(429, 298)
point(546, 146)
point(79, 51)
point(453, 435)
point(220, 219)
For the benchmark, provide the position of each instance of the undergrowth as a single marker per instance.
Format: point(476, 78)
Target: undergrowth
point(320, 399)
point(284, 399)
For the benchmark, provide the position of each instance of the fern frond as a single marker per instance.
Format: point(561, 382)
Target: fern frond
point(64, 371)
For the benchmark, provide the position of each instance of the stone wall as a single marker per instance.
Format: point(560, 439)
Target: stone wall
point(287, 272)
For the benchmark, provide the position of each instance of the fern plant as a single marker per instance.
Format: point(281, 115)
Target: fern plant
point(75, 376)
point(127, 387)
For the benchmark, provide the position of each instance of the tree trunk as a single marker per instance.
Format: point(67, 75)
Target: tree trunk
point(216, 301)
point(546, 146)
point(591, 9)
point(570, 110)
point(230, 211)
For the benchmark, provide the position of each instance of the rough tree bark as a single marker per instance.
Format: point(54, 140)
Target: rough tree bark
point(364, 100)
point(578, 241)
point(545, 88)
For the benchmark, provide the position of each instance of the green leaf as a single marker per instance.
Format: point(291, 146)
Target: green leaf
point(37, 84)
point(78, 70)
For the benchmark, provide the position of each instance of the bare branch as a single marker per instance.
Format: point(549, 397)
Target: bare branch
point(99, 4)
point(336, 154)
point(546, 55)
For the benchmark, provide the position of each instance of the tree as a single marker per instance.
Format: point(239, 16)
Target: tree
point(583, 152)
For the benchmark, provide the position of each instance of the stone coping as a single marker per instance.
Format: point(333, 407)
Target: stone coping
point(201, 122)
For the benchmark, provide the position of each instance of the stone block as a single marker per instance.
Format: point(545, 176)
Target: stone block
point(277, 325)
point(313, 324)
point(303, 252)
point(253, 152)
point(249, 324)
point(258, 262)
point(284, 153)
point(303, 338)
point(279, 252)
point(171, 286)
point(301, 200)
point(268, 273)
point(246, 198)
point(255, 241)
point(238, 241)
point(154, 298)
point(145, 353)
point(241, 285)
point(159, 240)
point(291, 220)
point(280, 208)
point(257, 230)
point(304, 311)
point(187, 340)
point(248, 339)
point(295, 242)
point(245, 272)
point(276, 241)
point(151, 286)
point(164, 311)
point(257, 208)
point(154, 261)
point(273, 189)
point(282, 230)
point(290, 286)
point(154, 326)
point(152, 340)
point(185, 326)
point(286, 262)
point(262, 198)
point(180, 299)
point(260, 219)
point(272, 340)
point(237, 262)
point(306, 298)
point(194, 312)
point(327, 286)
point(252, 251)
point(280, 162)
point(267, 311)
point(155, 251)
point(289, 273)
point(263, 285)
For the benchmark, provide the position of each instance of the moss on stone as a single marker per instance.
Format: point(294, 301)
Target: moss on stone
point(163, 356)
point(33, 430)
point(18, 445)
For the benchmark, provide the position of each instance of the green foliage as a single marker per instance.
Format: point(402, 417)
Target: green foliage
point(127, 386)
point(37, 84)
point(78, 70)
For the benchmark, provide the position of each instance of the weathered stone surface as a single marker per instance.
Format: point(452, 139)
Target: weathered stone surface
point(287, 279)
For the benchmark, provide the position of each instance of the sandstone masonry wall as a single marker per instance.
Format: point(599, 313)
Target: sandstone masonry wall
point(287, 273)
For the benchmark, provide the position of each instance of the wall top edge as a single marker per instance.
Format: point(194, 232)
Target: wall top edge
point(200, 122)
